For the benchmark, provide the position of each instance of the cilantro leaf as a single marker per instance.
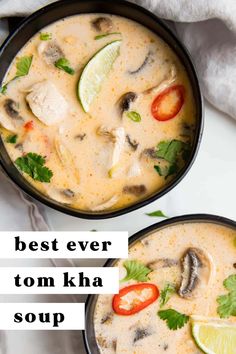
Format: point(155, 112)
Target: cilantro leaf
point(166, 293)
point(136, 271)
point(227, 303)
point(157, 213)
point(3, 89)
point(105, 35)
point(22, 69)
point(23, 66)
point(11, 139)
point(134, 116)
point(45, 36)
point(64, 64)
point(167, 170)
point(170, 149)
point(33, 165)
point(173, 318)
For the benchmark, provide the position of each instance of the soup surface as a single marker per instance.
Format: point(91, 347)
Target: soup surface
point(97, 112)
point(192, 260)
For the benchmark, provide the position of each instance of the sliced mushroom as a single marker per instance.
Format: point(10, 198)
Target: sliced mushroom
point(50, 52)
point(102, 24)
point(108, 204)
point(136, 190)
point(197, 271)
point(11, 108)
point(141, 333)
point(47, 103)
point(64, 196)
point(144, 63)
point(125, 101)
point(163, 263)
point(132, 143)
point(164, 83)
point(7, 123)
point(150, 153)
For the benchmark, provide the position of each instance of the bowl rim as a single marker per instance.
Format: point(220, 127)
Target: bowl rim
point(176, 220)
point(29, 189)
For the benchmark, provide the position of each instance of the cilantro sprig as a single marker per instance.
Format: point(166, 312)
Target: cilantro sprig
point(227, 303)
point(23, 65)
point(171, 151)
point(64, 64)
point(11, 139)
point(33, 165)
point(166, 293)
point(174, 319)
point(157, 213)
point(136, 271)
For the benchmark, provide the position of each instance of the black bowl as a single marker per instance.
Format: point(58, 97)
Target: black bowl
point(89, 333)
point(64, 8)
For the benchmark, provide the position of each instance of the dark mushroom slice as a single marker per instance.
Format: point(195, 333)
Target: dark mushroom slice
point(132, 142)
point(141, 333)
point(103, 24)
point(197, 268)
point(11, 108)
point(107, 318)
point(68, 193)
point(51, 52)
point(80, 137)
point(144, 63)
point(163, 263)
point(125, 101)
point(151, 153)
point(136, 190)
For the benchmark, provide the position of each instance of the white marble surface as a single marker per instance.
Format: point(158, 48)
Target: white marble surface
point(209, 187)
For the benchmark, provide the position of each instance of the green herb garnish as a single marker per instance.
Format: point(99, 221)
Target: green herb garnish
point(33, 165)
point(167, 170)
point(136, 271)
point(166, 293)
point(45, 36)
point(227, 303)
point(23, 66)
point(22, 69)
point(169, 150)
point(157, 213)
point(105, 35)
point(173, 318)
point(134, 116)
point(64, 64)
point(11, 139)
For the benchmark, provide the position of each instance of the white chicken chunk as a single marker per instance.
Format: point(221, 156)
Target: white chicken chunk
point(47, 103)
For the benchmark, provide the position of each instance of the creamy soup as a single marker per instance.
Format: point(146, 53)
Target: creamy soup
point(97, 112)
point(192, 260)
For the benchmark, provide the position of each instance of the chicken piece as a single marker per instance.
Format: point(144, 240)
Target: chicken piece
point(134, 169)
point(164, 83)
point(118, 135)
point(46, 103)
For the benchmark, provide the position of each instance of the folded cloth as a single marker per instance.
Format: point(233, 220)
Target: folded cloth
point(208, 29)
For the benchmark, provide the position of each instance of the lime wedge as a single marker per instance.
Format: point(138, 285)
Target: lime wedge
point(95, 72)
point(215, 337)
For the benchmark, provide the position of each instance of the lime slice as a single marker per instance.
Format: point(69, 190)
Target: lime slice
point(95, 72)
point(215, 337)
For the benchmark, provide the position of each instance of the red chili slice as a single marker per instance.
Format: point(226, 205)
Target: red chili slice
point(29, 125)
point(140, 300)
point(174, 93)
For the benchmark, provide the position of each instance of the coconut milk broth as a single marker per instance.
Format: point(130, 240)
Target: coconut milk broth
point(86, 174)
point(170, 243)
